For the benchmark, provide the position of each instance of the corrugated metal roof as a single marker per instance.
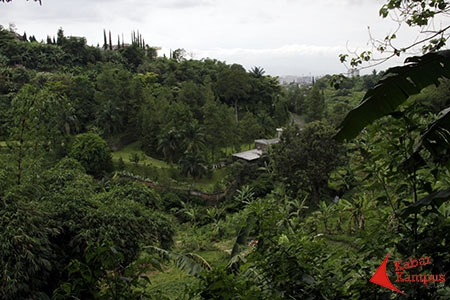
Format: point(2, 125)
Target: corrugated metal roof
point(249, 155)
point(268, 142)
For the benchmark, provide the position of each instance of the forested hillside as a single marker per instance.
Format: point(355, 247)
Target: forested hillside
point(117, 179)
point(130, 93)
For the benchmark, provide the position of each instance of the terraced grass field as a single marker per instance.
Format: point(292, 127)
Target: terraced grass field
point(164, 173)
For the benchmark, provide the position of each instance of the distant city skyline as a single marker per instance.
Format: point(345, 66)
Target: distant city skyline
point(299, 80)
point(285, 37)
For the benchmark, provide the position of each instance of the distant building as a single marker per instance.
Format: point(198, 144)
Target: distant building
point(249, 155)
point(261, 145)
point(264, 144)
point(279, 132)
point(300, 81)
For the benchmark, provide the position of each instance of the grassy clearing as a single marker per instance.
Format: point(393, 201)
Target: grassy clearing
point(209, 183)
point(171, 177)
point(128, 151)
point(170, 283)
point(164, 173)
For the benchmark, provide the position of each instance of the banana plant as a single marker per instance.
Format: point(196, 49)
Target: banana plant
point(189, 211)
point(245, 195)
point(358, 209)
point(325, 212)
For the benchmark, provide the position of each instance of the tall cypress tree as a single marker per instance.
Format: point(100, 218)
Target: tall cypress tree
point(110, 41)
point(118, 41)
point(138, 38)
point(60, 37)
point(105, 43)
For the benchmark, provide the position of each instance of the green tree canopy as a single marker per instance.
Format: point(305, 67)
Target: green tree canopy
point(305, 158)
point(93, 153)
point(314, 104)
point(233, 84)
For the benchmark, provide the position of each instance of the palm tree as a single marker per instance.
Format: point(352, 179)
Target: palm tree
point(257, 72)
point(168, 143)
point(267, 122)
point(193, 164)
point(193, 137)
point(109, 117)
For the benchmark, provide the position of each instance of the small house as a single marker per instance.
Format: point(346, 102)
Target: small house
point(264, 144)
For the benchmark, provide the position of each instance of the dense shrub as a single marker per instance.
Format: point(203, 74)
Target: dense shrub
point(137, 192)
point(108, 277)
point(129, 225)
point(26, 254)
point(262, 185)
point(171, 201)
point(50, 223)
point(66, 199)
point(93, 153)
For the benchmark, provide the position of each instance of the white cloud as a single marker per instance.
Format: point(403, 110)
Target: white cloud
point(295, 49)
point(287, 59)
point(183, 4)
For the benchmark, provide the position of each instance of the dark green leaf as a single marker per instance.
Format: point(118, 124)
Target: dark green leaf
point(398, 84)
point(436, 199)
point(436, 139)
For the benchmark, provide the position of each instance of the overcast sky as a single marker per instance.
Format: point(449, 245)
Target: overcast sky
point(285, 37)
